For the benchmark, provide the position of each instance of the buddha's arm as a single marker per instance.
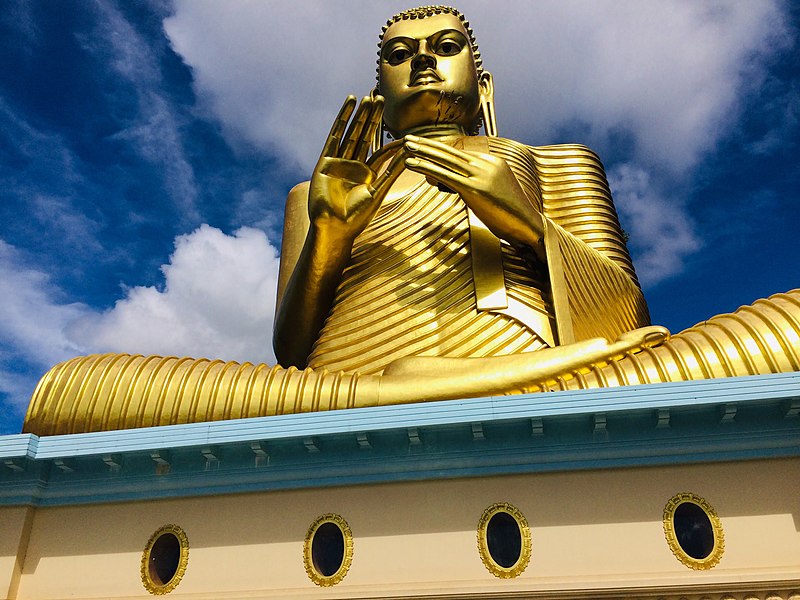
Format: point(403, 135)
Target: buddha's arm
point(340, 200)
point(312, 261)
point(295, 229)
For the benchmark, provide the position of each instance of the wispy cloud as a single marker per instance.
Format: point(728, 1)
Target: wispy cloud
point(44, 182)
point(661, 234)
point(39, 158)
point(59, 217)
point(155, 128)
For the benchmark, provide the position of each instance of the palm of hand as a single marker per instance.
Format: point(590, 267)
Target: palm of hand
point(345, 193)
point(341, 193)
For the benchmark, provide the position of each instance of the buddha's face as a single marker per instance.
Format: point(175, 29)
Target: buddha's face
point(428, 75)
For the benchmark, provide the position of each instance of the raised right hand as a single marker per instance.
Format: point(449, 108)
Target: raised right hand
point(345, 193)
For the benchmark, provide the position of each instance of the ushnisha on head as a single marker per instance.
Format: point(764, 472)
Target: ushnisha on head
point(431, 75)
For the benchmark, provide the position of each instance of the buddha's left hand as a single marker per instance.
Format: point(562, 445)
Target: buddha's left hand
point(485, 182)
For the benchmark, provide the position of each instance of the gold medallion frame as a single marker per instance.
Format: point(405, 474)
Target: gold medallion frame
point(525, 534)
point(347, 559)
point(150, 585)
point(702, 564)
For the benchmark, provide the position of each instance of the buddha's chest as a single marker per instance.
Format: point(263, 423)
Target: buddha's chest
point(418, 229)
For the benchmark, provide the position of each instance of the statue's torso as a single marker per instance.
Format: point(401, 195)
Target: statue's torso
point(409, 289)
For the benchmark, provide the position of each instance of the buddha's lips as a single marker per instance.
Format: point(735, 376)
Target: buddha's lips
point(425, 76)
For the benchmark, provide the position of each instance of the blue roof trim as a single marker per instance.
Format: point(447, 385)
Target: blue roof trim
point(675, 423)
point(19, 445)
point(484, 410)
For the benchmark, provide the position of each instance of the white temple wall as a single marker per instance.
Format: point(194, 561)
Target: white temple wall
point(595, 531)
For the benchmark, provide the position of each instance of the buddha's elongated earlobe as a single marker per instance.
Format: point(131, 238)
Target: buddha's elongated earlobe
point(486, 85)
point(377, 139)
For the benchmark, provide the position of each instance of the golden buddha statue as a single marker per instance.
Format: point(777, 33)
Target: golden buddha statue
point(442, 265)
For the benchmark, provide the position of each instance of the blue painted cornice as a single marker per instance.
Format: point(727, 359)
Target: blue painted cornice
point(674, 423)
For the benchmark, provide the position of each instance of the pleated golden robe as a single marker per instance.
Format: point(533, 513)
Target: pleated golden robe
point(412, 287)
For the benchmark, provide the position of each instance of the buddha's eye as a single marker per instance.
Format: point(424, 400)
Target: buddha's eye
point(448, 48)
point(398, 55)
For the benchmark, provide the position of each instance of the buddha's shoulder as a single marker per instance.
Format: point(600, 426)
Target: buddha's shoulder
point(556, 156)
point(298, 195)
point(552, 151)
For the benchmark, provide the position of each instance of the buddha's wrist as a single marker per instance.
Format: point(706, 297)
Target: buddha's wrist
point(331, 241)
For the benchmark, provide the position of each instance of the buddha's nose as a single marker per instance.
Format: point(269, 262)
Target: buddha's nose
point(423, 60)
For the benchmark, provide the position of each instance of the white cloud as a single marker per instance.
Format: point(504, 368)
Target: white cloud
point(661, 235)
point(218, 301)
point(670, 71)
point(32, 314)
point(275, 74)
point(33, 319)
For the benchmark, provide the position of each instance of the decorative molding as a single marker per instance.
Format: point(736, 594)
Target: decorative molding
point(413, 437)
point(716, 592)
point(210, 453)
point(15, 464)
point(663, 418)
point(308, 559)
point(158, 589)
point(114, 462)
point(755, 390)
point(600, 433)
point(525, 537)
point(651, 425)
point(755, 595)
point(700, 564)
point(793, 410)
point(728, 413)
point(64, 465)
point(261, 453)
point(363, 441)
point(162, 458)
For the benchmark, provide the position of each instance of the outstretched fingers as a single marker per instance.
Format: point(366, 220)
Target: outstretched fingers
point(331, 147)
point(373, 122)
point(356, 129)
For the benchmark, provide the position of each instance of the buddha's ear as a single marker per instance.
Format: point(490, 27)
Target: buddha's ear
point(486, 90)
point(486, 85)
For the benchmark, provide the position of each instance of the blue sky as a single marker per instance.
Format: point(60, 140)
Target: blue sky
point(146, 150)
